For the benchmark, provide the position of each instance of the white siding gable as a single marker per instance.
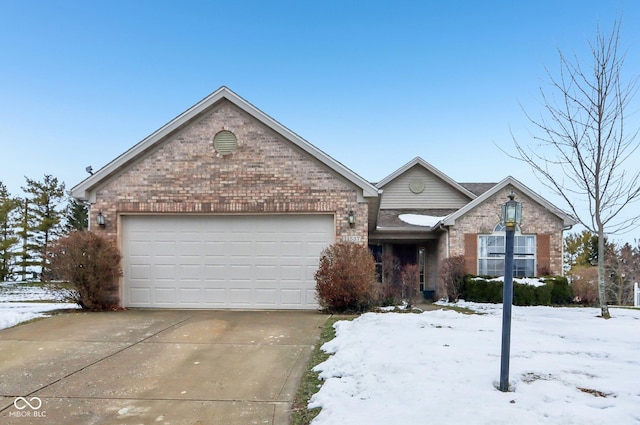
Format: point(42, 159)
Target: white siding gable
point(436, 194)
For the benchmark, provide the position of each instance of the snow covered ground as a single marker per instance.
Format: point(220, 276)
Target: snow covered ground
point(442, 367)
point(17, 303)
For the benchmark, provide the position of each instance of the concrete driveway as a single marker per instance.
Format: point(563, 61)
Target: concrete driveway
point(155, 367)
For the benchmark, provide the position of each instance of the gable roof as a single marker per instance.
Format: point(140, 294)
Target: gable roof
point(424, 164)
point(84, 190)
point(477, 188)
point(567, 220)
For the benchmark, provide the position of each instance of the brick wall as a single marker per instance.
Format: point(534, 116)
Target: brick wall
point(265, 175)
point(535, 220)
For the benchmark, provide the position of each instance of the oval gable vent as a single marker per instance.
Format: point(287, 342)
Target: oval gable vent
point(225, 142)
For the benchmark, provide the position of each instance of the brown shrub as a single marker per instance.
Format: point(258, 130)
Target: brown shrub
point(346, 278)
point(584, 283)
point(91, 263)
point(409, 281)
point(452, 276)
point(390, 292)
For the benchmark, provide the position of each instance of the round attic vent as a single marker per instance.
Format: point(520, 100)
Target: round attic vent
point(225, 142)
point(416, 186)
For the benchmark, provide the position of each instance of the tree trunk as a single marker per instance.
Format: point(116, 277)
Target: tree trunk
point(602, 296)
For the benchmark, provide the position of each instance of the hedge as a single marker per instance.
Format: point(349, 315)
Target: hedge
point(555, 291)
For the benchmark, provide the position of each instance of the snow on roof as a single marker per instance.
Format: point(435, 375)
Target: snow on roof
point(420, 220)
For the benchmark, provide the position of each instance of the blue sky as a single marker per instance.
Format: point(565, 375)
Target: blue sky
point(373, 84)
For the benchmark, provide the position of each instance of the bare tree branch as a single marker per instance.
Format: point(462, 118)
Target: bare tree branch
point(581, 144)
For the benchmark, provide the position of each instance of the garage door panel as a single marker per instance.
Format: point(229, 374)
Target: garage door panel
point(266, 296)
point(189, 272)
point(140, 272)
point(189, 248)
point(223, 261)
point(266, 273)
point(215, 272)
point(242, 272)
point(163, 271)
point(240, 296)
point(190, 295)
point(311, 296)
point(217, 296)
point(164, 295)
point(291, 296)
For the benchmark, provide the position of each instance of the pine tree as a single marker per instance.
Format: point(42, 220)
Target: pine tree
point(44, 197)
point(8, 239)
point(77, 216)
point(25, 233)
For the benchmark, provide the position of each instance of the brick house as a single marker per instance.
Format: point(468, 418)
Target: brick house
point(223, 207)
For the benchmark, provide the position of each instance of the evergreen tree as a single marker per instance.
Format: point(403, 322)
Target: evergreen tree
point(25, 233)
point(580, 249)
point(8, 239)
point(44, 197)
point(77, 216)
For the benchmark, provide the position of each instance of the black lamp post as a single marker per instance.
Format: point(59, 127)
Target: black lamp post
point(511, 217)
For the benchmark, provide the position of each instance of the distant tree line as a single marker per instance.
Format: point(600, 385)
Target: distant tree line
point(621, 266)
point(29, 224)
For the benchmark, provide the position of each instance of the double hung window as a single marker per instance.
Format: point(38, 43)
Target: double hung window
point(491, 250)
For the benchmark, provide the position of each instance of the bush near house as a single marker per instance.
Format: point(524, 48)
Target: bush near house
point(398, 283)
point(451, 277)
point(409, 282)
point(555, 291)
point(91, 264)
point(346, 278)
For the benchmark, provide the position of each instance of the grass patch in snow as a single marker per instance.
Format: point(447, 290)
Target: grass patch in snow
point(310, 383)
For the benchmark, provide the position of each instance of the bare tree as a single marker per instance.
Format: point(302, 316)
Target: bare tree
point(582, 143)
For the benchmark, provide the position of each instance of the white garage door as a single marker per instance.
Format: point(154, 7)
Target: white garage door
point(245, 262)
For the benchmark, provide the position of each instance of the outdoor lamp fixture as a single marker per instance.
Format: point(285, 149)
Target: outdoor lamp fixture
point(100, 219)
point(511, 212)
point(511, 217)
point(351, 218)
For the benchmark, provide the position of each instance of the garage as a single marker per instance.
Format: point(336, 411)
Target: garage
point(223, 261)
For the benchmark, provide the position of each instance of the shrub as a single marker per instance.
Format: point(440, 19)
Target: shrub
point(555, 290)
point(584, 284)
point(409, 281)
point(524, 294)
point(481, 290)
point(91, 264)
point(346, 278)
point(561, 293)
point(452, 276)
point(390, 292)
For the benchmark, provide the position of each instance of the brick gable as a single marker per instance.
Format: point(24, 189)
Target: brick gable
point(266, 174)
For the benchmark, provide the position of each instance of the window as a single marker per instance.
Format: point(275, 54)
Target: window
point(491, 249)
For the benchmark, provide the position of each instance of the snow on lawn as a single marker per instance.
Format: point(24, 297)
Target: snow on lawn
point(16, 308)
point(567, 367)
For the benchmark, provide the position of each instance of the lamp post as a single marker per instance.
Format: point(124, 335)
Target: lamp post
point(511, 217)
